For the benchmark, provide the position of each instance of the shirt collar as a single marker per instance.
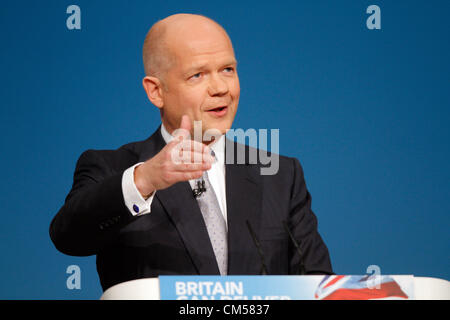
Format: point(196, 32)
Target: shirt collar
point(217, 146)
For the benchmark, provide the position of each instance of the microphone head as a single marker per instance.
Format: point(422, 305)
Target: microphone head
point(197, 192)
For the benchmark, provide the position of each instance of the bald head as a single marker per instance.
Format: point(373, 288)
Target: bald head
point(191, 70)
point(166, 35)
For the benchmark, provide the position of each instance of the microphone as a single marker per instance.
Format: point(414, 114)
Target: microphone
point(258, 246)
point(197, 192)
point(299, 252)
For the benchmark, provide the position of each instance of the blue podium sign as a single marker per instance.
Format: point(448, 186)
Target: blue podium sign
point(336, 287)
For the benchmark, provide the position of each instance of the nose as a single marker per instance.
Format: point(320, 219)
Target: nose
point(217, 86)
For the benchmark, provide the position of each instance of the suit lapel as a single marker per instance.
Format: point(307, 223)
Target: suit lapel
point(185, 213)
point(243, 198)
point(183, 210)
point(243, 192)
point(151, 146)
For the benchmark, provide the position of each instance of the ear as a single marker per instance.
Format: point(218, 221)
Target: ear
point(154, 89)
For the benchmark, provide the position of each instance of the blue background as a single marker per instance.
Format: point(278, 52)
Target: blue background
point(365, 111)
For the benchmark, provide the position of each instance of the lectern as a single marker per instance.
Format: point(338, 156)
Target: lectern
point(336, 287)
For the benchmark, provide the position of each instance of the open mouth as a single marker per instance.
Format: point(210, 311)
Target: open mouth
point(219, 111)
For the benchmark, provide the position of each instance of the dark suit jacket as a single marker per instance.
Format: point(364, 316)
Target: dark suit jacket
point(173, 238)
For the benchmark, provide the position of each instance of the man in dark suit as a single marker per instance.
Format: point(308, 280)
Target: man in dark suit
point(140, 208)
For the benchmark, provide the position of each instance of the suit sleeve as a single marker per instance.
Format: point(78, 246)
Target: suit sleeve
point(93, 210)
point(303, 224)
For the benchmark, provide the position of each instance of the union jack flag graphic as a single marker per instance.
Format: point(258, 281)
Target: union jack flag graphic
point(365, 287)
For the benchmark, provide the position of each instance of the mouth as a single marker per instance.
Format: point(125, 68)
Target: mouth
point(218, 111)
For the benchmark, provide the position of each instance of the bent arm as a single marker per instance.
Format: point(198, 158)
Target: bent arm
point(93, 211)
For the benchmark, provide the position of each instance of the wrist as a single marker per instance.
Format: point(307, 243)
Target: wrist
point(143, 185)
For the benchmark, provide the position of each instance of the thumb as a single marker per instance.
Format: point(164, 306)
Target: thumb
point(185, 123)
point(185, 128)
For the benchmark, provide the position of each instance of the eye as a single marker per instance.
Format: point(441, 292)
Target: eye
point(196, 76)
point(228, 69)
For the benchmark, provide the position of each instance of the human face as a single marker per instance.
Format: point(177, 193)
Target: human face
point(203, 82)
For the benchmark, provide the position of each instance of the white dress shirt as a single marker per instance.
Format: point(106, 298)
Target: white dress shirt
point(137, 205)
